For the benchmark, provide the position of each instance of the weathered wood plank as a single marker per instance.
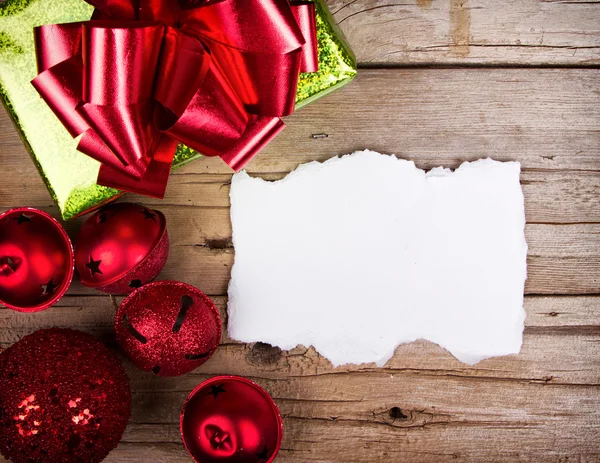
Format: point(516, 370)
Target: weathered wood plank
point(562, 259)
point(343, 414)
point(331, 442)
point(474, 32)
point(548, 119)
point(347, 418)
point(556, 197)
point(563, 329)
point(499, 402)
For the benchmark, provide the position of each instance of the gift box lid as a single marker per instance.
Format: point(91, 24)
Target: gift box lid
point(70, 175)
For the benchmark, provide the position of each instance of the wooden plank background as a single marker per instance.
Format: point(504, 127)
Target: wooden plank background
point(441, 82)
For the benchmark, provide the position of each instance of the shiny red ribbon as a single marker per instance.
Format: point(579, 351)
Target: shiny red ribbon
point(145, 75)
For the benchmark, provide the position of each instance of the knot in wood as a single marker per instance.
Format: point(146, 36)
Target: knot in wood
point(264, 354)
point(397, 414)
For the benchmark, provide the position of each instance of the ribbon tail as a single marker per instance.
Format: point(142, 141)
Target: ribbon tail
point(214, 120)
point(259, 133)
point(131, 136)
point(120, 62)
point(55, 43)
point(60, 87)
point(306, 17)
point(155, 178)
point(92, 145)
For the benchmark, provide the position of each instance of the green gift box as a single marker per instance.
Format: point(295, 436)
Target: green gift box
point(70, 175)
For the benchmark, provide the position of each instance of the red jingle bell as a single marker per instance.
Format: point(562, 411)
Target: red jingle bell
point(168, 328)
point(229, 419)
point(64, 398)
point(121, 247)
point(36, 260)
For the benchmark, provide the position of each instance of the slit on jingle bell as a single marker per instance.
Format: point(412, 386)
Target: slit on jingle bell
point(135, 333)
point(186, 303)
point(197, 356)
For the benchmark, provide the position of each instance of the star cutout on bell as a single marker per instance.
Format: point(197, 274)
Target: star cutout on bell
point(22, 219)
point(247, 415)
point(36, 260)
point(132, 242)
point(216, 390)
point(148, 214)
point(49, 287)
point(8, 265)
point(94, 266)
point(264, 454)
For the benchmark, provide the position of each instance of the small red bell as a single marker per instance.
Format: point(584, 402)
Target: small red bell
point(229, 419)
point(36, 260)
point(121, 247)
point(168, 328)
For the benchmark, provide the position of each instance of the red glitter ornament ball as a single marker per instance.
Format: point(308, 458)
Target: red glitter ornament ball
point(229, 419)
point(121, 247)
point(168, 328)
point(64, 397)
point(36, 260)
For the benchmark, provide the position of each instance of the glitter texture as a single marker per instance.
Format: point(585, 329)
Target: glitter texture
point(337, 64)
point(64, 397)
point(168, 328)
point(71, 176)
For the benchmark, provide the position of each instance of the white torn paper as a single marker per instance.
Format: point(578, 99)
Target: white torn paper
point(359, 254)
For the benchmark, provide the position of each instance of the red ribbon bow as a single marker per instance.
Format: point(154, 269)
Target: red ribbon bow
point(144, 75)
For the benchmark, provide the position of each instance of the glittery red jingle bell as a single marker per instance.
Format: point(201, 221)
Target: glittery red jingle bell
point(36, 260)
point(167, 327)
point(229, 419)
point(121, 247)
point(64, 398)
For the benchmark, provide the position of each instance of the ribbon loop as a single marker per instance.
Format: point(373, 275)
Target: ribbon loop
point(116, 9)
point(184, 65)
point(118, 58)
point(305, 15)
point(145, 75)
point(214, 119)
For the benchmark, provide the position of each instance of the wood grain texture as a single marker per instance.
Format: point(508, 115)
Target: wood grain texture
point(424, 405)
point(573, 360)
point(562, 259)
point(471, 32)
point(546, 396)
point(547, 119)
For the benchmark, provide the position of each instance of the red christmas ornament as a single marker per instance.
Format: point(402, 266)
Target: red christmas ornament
point(36, 260)
point(229, 419)
point(121, 247)
point(167, 327)
point(64, 397)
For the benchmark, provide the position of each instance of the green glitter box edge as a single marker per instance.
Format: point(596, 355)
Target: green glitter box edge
point(337, 68)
